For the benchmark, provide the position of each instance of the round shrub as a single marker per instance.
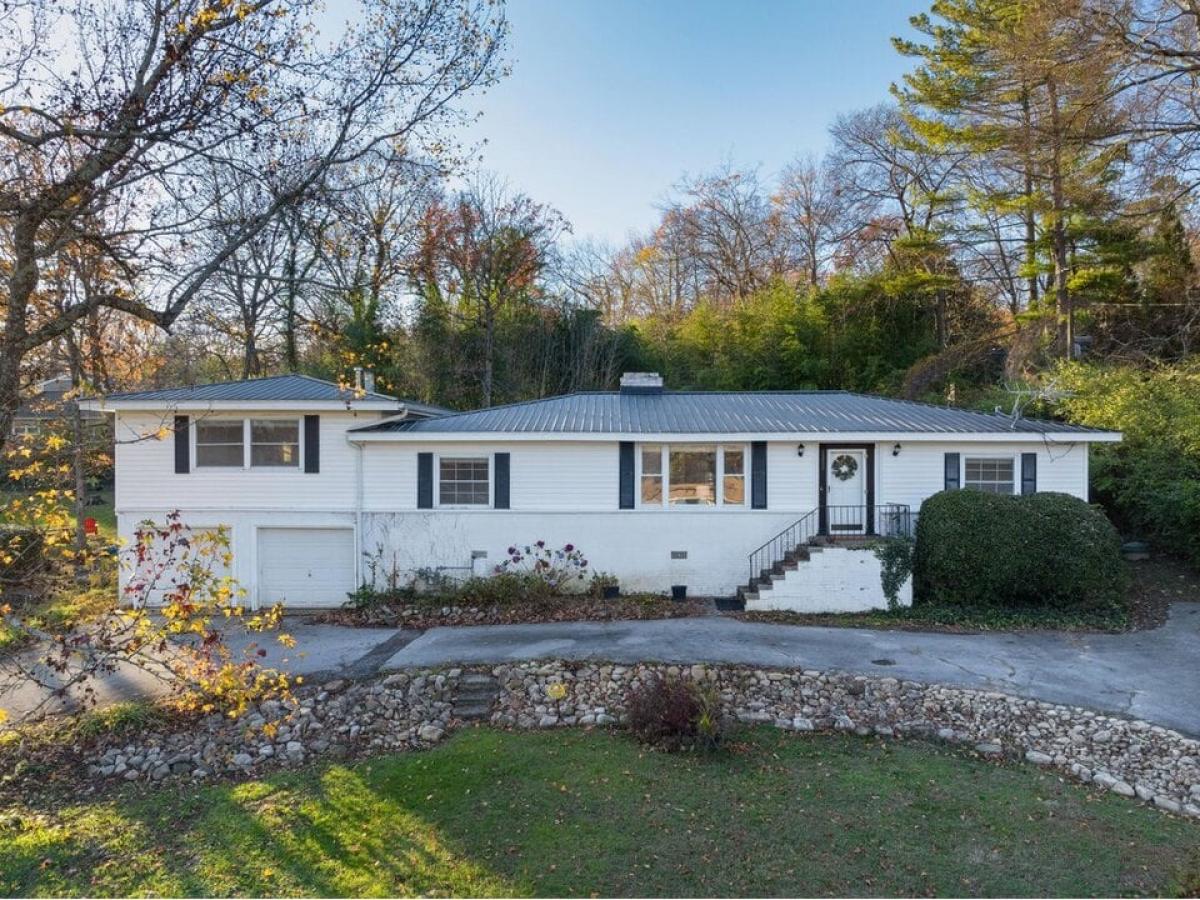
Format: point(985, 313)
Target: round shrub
point(1042, 550)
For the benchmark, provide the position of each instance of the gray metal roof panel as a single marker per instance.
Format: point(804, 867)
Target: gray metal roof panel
point(745, 412)
point(274, 388)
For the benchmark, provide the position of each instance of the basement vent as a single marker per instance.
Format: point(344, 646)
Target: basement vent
point(478, 554)
point(678, 554)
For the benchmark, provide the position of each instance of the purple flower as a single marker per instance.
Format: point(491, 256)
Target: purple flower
point(541, 544)
point(512, 550)
point(569, 547)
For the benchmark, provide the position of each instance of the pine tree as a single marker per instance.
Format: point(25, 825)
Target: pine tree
point(1024, 85)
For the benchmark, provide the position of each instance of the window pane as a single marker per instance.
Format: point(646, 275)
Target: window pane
point(652, 459)
point(274, 442)
point(274, 455)
point(219, 454)
point(992, 475)
point(463, 482)
point(268, 432)
point(219, 443)
point(693, 476)
point(735, 490)
point(219, 431)
point(652, 490)
point(735, 461)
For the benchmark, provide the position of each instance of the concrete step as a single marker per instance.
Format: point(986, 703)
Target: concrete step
point(468, 712)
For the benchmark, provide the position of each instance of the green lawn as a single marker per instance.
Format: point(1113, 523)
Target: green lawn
point(575, 813)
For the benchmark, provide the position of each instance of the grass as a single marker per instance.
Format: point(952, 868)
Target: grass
point(572, 813)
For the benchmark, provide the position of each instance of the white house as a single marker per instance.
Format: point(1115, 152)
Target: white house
point(323, 489)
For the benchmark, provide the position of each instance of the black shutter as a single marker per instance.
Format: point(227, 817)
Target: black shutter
point(183, 455)
point(953, 481)
point(312, 444)
point(424, 481)
point(1028, 473)
point(625, 477)
point(501, 476)
point(758, 475)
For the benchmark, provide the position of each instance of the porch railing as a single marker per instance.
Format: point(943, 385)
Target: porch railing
point(881, 520)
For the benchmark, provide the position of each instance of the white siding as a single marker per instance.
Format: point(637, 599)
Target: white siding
point(560, 492)
point(146, 479)
point(918, 472)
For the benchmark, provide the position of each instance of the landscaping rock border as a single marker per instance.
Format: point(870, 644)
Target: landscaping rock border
point(414, 709)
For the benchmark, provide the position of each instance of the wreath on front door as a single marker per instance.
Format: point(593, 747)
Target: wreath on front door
point(844, 467)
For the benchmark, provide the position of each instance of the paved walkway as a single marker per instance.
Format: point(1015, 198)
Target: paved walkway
point(1152, 675)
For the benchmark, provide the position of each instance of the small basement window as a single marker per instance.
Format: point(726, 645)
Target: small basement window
point(274, 442)
point(463, 481)
point(220, 443)
point(652, 475)
point(993, 475)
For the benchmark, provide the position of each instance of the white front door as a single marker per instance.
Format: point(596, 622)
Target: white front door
point(846, 491)
point(305, 566)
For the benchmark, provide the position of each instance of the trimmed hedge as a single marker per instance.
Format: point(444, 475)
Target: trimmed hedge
point(1017, 552)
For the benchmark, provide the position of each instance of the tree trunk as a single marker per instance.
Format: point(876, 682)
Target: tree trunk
point(489, 347)
point(1062, 296)
point(1030, 216)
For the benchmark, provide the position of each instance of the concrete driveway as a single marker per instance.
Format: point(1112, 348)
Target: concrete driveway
point(1152, 675)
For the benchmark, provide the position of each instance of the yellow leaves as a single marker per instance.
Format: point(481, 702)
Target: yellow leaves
point(3, 715)
point(556, 691)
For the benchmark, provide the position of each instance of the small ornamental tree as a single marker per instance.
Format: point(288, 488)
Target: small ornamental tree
point(176, 612)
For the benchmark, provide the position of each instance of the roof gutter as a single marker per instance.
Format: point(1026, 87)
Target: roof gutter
point(361, 435)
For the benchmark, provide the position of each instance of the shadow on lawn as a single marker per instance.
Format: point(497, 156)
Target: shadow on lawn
point(575, 812)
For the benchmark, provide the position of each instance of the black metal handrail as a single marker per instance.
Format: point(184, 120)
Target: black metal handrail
point(881, 520)
point(773, 551)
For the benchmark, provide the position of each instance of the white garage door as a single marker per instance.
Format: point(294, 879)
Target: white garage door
point(305, 566)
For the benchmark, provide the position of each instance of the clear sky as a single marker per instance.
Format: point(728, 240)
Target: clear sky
point(610, 102)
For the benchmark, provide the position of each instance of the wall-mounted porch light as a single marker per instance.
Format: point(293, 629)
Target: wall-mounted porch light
point(799, 449)
point(896, 450)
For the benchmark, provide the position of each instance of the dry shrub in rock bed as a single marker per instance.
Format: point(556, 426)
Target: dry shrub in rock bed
point(417, 613)
point(414, 709)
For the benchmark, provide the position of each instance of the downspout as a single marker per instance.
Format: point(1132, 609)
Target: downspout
point(358, 514)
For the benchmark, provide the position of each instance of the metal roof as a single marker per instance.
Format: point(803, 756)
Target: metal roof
point(294, 388)
point(744, 412)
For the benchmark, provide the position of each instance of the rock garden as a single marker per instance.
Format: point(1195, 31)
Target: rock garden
point(410, 710)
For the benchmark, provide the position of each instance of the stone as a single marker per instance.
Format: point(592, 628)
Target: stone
point(1166, 803)
point(242, 760)
point(430, 733)
point(1038, 758)
point(987, 748)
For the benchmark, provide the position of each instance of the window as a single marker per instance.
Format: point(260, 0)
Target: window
point(993, 476)
point(26, 429)
point(274, 442)
point(733, 476)
point(463, 482)
point(692, 475)
point(652, 475)
point(219, 442)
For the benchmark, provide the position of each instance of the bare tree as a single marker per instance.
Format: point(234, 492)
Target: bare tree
point(482, 251)
point(814, 207)
point(114, 115)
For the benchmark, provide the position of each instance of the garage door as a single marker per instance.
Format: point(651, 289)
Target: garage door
point(305, 566)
